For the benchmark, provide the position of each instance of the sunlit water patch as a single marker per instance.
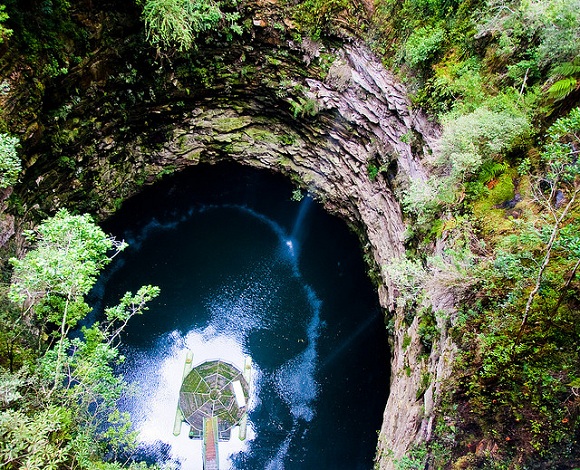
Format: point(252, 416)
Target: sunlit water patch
point(158, 380)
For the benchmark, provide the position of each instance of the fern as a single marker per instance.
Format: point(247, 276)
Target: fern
point(304, 107)
point(570, 73)
point(491, 170)
point(562, 88)
point(178, 23)
point(568, 69)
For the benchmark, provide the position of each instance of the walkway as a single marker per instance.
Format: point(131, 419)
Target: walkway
point(210, 444)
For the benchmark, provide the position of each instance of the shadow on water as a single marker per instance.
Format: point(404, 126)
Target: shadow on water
point(244, 270)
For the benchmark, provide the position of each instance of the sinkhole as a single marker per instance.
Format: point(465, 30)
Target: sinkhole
point(246, 270)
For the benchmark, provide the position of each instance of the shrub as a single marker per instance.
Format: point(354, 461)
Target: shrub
point(423, 45)
point(408, 276)
point(177, 23)
point(316, 17)
point(421, 198)
point(470, 140)
point(4, 31)
point(455, 83)
point(546, 32)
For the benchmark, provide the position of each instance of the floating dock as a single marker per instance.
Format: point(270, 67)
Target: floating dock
point(212, 400)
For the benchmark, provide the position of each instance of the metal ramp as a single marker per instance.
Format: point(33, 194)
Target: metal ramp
point(210, 444)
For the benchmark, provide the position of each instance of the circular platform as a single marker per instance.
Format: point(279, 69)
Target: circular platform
point(213, 389)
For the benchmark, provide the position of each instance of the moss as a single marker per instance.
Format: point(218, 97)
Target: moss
point(501, 190)
point(428, 330)
point(494, 219)
point(224, 125)
point(423, 385)
point(182, 142)
point(262, 135)
point(406, 341)
point(287, 139)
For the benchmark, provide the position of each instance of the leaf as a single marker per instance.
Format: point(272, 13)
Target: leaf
point(568, 69)
point(562, 88)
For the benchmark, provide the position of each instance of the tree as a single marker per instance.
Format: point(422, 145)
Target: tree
point(61, 411)
point(4, 31)
point(53, 278)
point(523, 344)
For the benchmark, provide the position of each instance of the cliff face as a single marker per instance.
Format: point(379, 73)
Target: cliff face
point(350, 138)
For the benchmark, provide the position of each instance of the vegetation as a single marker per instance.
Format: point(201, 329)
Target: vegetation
point(44, 32)
point(518, 335)
point(58, 406)
point(4, 31)
point(9, 161)
point(178, 23)
point(503, 194)
point(515, 382)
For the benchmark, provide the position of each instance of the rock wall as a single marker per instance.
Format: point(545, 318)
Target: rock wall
point(351, 139)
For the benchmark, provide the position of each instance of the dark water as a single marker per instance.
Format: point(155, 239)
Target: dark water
point(244, 270)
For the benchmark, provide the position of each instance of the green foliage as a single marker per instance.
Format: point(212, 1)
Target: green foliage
point(408, 276)
point(468, 155)
point(428, 331)
point(4, 31)
point(69, 252)
point(561, 151)
point(454, 83)
point(547, 32)
point(406, 342)
point(559, 30)
point(10, 385)
point(178, 23)
point(486, 78)
point(461, 55)
point(47, 35)
point(10, 165)
point(30, 442)
point(534, 39)
point(414, 459)
point(421, 199)
point(519, 348)
point(303, 106)
point(129, 306)
point(568, 80)
point(562, 88)
point(316, 17)
point(297, 195)
point(423, 45)
point(373, 171)
point(490, 170)
point(59, 410)
point(470, 140)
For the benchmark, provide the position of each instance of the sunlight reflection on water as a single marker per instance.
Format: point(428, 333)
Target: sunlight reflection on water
point(153, 409)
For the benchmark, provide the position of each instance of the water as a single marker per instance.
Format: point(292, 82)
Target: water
point(244, 270)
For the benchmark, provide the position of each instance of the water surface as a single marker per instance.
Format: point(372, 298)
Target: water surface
point(245, 270)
